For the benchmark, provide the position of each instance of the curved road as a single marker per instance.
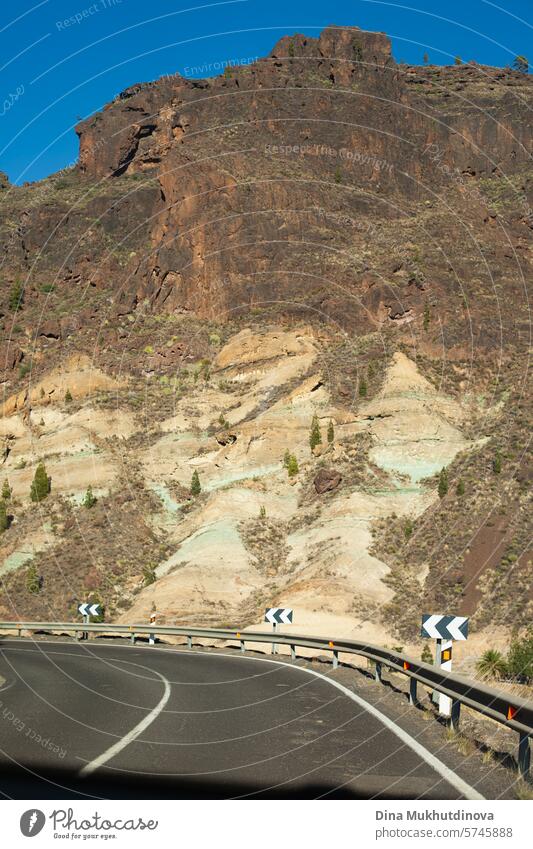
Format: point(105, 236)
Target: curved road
point(113, 721)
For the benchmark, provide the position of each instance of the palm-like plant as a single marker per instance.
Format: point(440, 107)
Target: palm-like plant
point(492, 664)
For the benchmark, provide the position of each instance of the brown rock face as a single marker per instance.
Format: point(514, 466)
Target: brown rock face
point(324, 181)
point(326, 480)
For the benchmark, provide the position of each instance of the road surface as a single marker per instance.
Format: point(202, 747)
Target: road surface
point(111, 721)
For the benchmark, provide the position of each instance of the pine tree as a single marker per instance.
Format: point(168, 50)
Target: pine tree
point(68, 396)
point(315, 437)
point(262, 513)
point(33, 581)
point(292, 467)
point(40, 487)
point(460, 490)
point(90, 499)
point(521, 64)
point(196, 486)
point(427, 316)
point(6, 491)
point(458, 60)
point(16, 296)
point(4, 521)
point(426, 59)
point(497, 463)
point(443, 482)
point(331, 432)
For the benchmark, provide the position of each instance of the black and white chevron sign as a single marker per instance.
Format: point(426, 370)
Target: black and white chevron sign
point(444, 627)
point(88, 609)
point(278, 615)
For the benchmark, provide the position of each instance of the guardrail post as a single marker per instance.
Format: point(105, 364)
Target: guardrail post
point(133, 639)
point(335, 659)
point(455, 713)
point(524, 755)
point(189, 642)
point(293, 652)
point(242, 646)
point(377, 673)
point(413, 697)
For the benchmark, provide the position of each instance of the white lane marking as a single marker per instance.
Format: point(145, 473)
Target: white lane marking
point(131, 735)
point(440, 768)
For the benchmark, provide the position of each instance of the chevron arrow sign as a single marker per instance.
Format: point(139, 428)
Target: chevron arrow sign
point(278, 615)
point(88, 609)
point(444, 627)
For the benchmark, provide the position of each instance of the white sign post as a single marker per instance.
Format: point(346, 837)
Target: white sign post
point(444, 629)
point(151, 638)
point(87, 610)
point(278, 616)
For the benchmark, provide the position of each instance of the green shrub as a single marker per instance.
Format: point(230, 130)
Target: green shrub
point(338, 174)
point(492, 664)
point(90, 499)
point(331, 433)
point(196, 486)
point(262, 512)
point(460, 488)
point(4, 521)
point(16, 296)
point(520, 657)
point(41, 484)
point(68, 396)
point(286, 458)
point(408, 528)
point(426, 656)
point(33, 581)
point(443, 482)
point(497, 463)
point(149, 576)
point(292, 466)
point(458, 60)
point(315, 437)
point(6, 491)
point(363, 388)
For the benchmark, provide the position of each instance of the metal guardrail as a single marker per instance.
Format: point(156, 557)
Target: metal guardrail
point(513, 712)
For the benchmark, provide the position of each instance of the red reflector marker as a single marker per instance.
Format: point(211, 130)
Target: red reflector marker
point(331, 645)
point(511, 712)
point(406, 665)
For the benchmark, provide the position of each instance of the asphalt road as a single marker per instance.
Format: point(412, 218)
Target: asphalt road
point(113, 721)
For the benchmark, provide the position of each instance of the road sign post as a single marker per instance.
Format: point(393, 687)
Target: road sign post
point(444, 629)
point(88, 609)
point(151, 638)
point(278, 616)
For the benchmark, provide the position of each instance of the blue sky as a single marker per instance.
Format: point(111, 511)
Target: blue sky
point(54, 71)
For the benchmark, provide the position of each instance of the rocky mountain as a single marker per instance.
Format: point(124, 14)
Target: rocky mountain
point(322, 233)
